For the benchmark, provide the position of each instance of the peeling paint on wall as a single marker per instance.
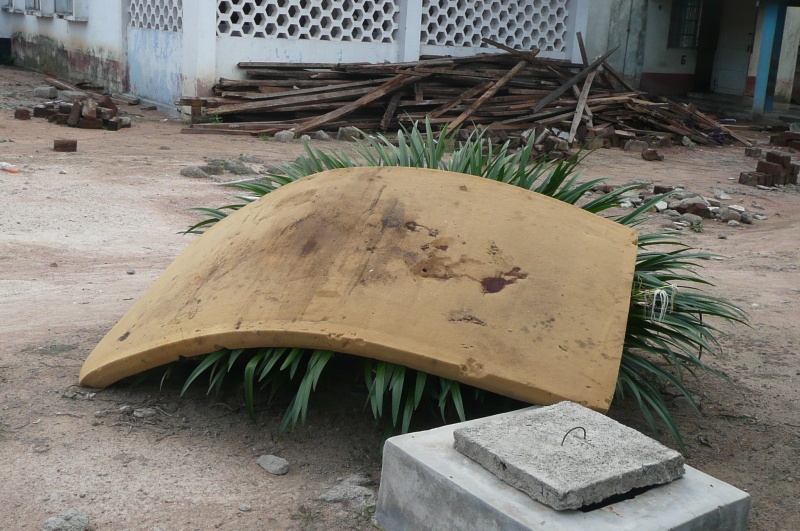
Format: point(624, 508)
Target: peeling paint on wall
point(155, 63)
point(44, 54)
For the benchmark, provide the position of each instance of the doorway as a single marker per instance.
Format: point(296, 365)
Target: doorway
point(734, 46)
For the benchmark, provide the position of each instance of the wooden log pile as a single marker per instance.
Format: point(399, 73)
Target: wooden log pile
point(508, 93)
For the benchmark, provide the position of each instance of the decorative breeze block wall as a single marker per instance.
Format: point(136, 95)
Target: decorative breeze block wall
point(522, 24)
point(164, 15)
point(325, 20)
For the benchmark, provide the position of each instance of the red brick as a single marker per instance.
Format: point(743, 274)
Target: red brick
point(66, 146)
point(776, 157)
point(58, 118)
point(769, 168)
point(748, 178)
point(90, 123)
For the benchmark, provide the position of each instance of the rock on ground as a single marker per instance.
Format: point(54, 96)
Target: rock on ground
point(351, 490)
point(652, 155)
point(348, 133)
point(284, 136)
point(46, 92)
point(72, 520)
point(636, 145)
point(726, 214)
point(194, 171)
point(274, 464)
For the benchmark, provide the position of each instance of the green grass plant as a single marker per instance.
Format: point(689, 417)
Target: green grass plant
point(669, 323)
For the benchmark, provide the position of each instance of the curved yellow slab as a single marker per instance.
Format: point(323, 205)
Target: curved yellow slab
point(452, 274)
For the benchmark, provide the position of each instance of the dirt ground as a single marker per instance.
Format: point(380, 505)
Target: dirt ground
point(82, 235)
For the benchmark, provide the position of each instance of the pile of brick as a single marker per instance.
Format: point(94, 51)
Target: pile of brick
point(786, 139)
point(86, 113)
point(78, 109)
point(776, 169)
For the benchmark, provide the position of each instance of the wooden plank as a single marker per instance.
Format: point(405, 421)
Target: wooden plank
point(288, 66)
point(244, 83)
point(576, 78)
point(287, 101)
point(469, 93)
point(536, 117)
point(249, 126)
point(388, 115)
point(488, 94)
point(524, 55)
point(616, 75)
point(439, 61)
point(387, 88)
point(587, 85)
point(313, 90)
point(585, 58)
point(582, 49)
point(709, 121)
point(118, 99)
point(199, 131)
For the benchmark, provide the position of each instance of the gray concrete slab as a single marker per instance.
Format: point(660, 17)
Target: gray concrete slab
point(427, 484)
point(567, 456)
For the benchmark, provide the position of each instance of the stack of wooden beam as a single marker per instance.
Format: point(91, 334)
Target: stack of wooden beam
point(510, 91)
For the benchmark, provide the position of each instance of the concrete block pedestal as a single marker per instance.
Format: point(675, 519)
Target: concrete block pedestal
point(427, 484)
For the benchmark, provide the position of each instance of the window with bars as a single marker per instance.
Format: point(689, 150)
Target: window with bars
point(33, 5)
point(684, 23)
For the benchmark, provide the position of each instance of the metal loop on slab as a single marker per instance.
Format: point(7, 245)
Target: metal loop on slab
point(571, 430)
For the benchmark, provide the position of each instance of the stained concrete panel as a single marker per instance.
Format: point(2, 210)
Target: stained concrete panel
point(426, 484)
point(455, 275)
point(567, 456)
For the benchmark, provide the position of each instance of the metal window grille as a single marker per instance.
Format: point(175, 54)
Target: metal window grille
point(684, 23)
point(324, 20)
point(164, 15)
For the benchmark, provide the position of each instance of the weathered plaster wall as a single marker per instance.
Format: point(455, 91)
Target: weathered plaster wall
point(665, 70)
point(155, 68)
point(74, 50)
point(5, 28)
point(658, 57)
point(788, 61)
point(620, 23)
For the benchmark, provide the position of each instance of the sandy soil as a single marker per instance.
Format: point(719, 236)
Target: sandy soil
point(82, 235)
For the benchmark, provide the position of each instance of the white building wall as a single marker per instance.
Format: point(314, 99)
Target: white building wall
point(660, 59)
point(5, 26)
point(87, 45)
point(620, 24)
point(154, 32)
point(158, 50)
point(392, 30)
